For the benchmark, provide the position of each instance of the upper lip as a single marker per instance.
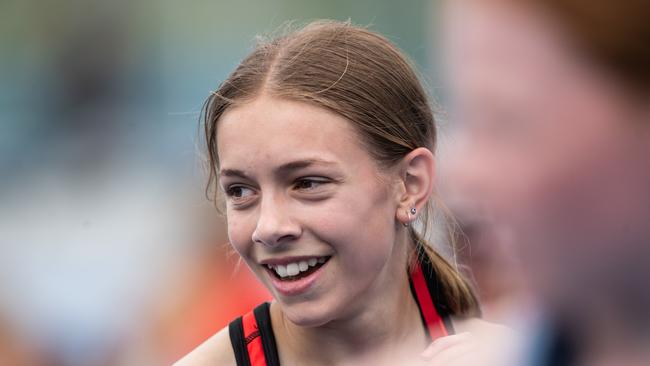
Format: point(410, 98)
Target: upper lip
point(287, 260)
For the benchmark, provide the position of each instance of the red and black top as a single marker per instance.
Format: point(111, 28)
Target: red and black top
point(254, 343)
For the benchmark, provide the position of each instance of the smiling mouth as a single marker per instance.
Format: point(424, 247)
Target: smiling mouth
point(296, 270)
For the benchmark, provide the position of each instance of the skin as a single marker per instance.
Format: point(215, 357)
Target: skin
point(557, 149)
point(317, 207)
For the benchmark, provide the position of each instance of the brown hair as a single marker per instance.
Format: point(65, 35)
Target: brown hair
point(614, 34)
point(361, 76)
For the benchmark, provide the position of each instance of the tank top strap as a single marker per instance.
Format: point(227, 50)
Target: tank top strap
point(252, 338)
point(426, 290)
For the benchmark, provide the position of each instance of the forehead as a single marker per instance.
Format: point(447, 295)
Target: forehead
point(269, 131)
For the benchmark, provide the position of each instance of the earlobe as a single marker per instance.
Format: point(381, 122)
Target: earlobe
point(418, 178)
point(405, 217)
point(408, 216)
point(411, 216)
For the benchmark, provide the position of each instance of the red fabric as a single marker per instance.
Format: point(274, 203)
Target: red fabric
point(431, 317)
point(253, 340)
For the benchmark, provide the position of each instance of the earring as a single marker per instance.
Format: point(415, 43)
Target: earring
point(412, 211)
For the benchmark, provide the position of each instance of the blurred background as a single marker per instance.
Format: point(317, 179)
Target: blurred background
point(110, 254)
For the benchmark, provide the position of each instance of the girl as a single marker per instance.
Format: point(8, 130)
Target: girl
point(322, 143)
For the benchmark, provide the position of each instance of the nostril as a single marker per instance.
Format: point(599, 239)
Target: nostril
point(273, 239)
point(285, 238)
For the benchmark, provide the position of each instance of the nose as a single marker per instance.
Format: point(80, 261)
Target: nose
point(275, 223)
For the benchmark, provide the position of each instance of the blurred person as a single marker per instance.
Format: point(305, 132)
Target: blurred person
point(552, 98)
point(491, 263)
point(322, 143)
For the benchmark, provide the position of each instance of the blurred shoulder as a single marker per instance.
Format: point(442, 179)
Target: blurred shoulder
point(479, 326)
point(216, 351)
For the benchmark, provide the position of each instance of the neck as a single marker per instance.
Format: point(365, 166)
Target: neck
point(384, 325)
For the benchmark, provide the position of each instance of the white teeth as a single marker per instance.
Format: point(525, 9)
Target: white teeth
point(303, 266)
point(292, 269)
point(281, 270)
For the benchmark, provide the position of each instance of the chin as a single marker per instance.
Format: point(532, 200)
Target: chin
point(308, 313)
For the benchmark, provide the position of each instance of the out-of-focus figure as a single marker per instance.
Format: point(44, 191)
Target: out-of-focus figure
point(487, 259)
point(552, 100)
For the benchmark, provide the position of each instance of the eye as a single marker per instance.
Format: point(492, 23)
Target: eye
point(239, 193)
point(310, 183)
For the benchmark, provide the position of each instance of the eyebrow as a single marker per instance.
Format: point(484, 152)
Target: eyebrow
point(282, 170)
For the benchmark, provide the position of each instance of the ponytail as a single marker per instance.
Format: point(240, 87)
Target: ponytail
point(455, 294)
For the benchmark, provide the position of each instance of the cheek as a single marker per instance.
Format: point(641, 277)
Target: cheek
point(553, 159)
point(573, 202)
point(360, 227)
point(240, 231)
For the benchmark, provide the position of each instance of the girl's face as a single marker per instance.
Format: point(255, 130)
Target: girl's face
point(554, 147)
point(307, 207)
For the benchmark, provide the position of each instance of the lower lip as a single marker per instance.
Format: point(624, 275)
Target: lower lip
point(296, 287)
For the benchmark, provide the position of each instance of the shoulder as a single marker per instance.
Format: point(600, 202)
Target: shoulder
point(496, 336)
point(484, 343)
point(216, 351)
point(480, 326)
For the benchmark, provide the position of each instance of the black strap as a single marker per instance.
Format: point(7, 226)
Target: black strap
point(435, 288)
point(448, 324)
point(263, 317)
point(236, 330)
point(417, 302)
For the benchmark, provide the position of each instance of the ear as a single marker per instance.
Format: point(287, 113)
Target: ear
point(417, 178)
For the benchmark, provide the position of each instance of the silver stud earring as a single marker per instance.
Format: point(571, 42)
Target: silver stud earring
point(412, 211)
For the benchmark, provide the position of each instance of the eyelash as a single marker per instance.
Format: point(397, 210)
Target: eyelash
point(297, 185)
point(230, 190)
point(311, 180)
